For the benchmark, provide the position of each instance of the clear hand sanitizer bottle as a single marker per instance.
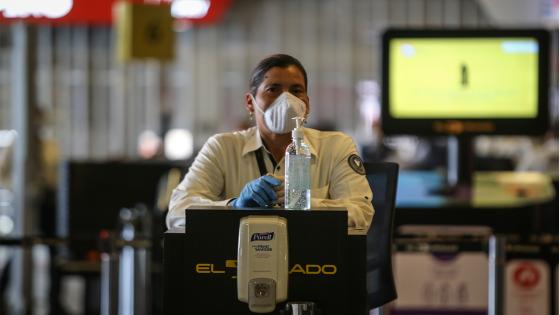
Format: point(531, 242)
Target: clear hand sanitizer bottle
point(297, 171)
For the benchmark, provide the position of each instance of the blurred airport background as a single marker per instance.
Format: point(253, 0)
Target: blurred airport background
point(66, 99)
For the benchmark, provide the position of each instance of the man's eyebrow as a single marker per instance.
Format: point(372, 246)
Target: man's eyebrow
point(273, 84)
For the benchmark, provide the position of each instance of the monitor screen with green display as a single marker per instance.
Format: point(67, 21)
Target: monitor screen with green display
point(465, 82)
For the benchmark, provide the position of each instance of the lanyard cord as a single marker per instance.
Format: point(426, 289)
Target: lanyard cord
point(260, 161)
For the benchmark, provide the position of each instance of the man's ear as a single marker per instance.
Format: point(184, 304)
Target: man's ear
point(249, 102)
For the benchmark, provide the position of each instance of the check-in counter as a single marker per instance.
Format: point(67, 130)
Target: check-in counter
point(327, 264)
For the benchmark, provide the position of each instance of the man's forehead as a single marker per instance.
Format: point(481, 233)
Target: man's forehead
point(281, 82)
point(290, 72)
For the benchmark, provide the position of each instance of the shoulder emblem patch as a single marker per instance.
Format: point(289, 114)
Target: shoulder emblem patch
point(356, 164)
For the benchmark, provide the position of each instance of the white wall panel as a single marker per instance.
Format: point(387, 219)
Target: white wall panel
point(79, 95)
point(452, 13)
point(469, 14)
point(417, 13)
point(62, 95)
point(434, 13)
point(398, 12)
point(100, 91)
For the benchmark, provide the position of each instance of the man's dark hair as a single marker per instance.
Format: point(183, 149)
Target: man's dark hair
point(277, 60)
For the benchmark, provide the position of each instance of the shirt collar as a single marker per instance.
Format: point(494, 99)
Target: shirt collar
point(254, 142)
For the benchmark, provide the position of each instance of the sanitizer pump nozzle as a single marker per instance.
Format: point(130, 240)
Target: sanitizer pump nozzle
point(297, 132)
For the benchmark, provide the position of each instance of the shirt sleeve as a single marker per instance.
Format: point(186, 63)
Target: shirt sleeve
point(349, 188)
point(202, 185)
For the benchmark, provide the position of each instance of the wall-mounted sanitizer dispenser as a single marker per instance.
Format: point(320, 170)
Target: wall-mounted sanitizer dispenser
point(262, 262)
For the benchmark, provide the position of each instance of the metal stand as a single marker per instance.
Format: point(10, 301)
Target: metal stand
point(23, 98)
point(134, 281)
point(125, 266)
point(496, 267)
point(109, 275)
point(460, 168)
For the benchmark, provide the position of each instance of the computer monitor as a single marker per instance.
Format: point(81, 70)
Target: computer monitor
point(465, 82)
point(92, 193)
point(462, 83)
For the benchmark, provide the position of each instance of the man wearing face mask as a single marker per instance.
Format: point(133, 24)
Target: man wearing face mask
point(245, 169)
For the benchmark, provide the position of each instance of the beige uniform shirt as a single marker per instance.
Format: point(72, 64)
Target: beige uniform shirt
point(227, 162)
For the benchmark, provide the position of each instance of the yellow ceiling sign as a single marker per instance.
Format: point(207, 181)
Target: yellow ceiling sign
point(144, 31)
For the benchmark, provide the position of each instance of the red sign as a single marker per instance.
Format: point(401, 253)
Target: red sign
point(100, 11)
point(526, 276)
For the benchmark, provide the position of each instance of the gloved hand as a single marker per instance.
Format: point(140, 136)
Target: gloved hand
point(258, 193)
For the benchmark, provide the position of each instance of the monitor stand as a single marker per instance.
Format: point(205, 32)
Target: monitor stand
point(460, 167)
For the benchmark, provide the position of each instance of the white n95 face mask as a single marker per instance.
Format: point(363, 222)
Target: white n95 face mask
point(278, 117)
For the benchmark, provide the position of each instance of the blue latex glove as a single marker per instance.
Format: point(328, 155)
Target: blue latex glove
point(257, 193)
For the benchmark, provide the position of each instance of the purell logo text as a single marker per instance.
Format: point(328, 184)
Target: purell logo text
point(267, 236)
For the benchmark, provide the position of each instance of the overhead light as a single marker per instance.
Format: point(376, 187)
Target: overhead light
point(190, 9)
point(6, 224)
point(148, 144)
point(52, 9)
point(178, 144)
point(7, 137)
